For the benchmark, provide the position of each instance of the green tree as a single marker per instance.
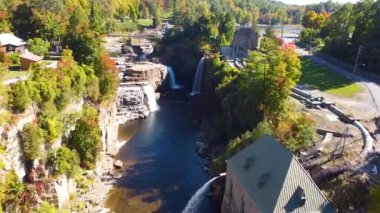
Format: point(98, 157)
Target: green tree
point(32, 138)
point(19, 99)
point(86, 138)
point(39, 46)
point(42, 84)
point(50, 122)
point(374, 199)
point(226, 28)
point(156, 16)
point(46, 207)
point(12, 189)
point(82, 39)
point(64, 161)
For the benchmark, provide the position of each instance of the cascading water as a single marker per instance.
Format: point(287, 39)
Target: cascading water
point(195, 201)
point(173, 82)
point(149, 92)
point(198, 78)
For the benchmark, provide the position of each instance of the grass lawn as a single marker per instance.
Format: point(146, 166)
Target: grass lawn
point(15, 74)
point(322, 78)
point(145, 22)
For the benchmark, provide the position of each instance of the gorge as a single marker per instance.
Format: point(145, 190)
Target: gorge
point(161, 169)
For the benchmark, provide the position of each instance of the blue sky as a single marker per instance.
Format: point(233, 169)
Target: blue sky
point(302, 2)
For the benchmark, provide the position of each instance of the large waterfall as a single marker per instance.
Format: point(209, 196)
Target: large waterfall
point(195, 201)
point(172, 79)
point(149, 92)
point(198, 78)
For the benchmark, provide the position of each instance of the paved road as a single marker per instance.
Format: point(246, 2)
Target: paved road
point(372, 87)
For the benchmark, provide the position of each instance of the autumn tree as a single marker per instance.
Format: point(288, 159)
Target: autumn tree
point(106, 71)
point(5, 25)
point(314, 20)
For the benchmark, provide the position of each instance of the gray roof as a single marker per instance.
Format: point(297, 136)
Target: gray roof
point(7, 38)
point(275, 180)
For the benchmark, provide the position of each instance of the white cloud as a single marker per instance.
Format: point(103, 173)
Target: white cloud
point(303, 2)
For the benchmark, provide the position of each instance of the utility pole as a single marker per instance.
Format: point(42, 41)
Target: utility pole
point(310, 42)
point(357, 59)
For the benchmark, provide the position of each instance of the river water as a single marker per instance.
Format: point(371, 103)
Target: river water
point(162, 170)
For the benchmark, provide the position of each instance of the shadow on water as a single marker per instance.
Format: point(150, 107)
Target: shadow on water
point(162, 169)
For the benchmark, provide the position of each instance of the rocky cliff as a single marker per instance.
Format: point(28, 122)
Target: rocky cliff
point(14, 157)
point(152, 73)
point(136, 97)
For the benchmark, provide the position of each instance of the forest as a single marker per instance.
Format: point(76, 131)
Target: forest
point(249, 103)
point(351, 32)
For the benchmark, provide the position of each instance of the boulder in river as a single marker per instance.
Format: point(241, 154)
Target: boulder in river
point(118, 164)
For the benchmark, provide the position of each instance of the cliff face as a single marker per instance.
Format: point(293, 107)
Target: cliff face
point(13, 155)
point(109, 126)
point(136, 97)
point(152, 73)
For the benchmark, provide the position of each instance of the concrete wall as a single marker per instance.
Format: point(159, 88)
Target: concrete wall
point(236, 199)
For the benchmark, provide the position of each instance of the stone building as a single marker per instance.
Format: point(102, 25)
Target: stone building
point(245, 39)
point(266, 177)
point(11, 43)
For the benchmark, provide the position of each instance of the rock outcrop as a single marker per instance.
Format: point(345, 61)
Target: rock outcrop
point(58, 192)
point(154, 74)
point(14, 157)
point(109, 126)
point(135, 96)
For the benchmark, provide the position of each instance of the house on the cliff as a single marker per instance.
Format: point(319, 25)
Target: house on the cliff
point(266, 177)
point(11, 43)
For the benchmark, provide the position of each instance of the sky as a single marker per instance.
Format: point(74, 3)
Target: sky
point(302, 2)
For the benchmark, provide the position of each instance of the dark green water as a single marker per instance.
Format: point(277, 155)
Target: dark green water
point(162, 169)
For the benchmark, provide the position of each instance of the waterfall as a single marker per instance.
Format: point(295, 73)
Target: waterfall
point(198, 78)
point(193, 204)
point(173, 82)
point(149, 92)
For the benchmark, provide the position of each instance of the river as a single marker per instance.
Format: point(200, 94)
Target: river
point(162, 170)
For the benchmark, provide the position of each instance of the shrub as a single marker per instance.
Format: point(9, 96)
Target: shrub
point(15, 58)
point(86, 138)
point(39, 46)
point(64, 161)
point(12, 189)
point(19, 99)
point(32, 138)
point(46, 207)
point(50, 121)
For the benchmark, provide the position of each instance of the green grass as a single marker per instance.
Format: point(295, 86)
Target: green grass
point(321, 78)
point(145, 22)
point(14, 74)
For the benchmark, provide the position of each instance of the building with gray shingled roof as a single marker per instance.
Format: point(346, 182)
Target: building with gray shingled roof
point(266, 177)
